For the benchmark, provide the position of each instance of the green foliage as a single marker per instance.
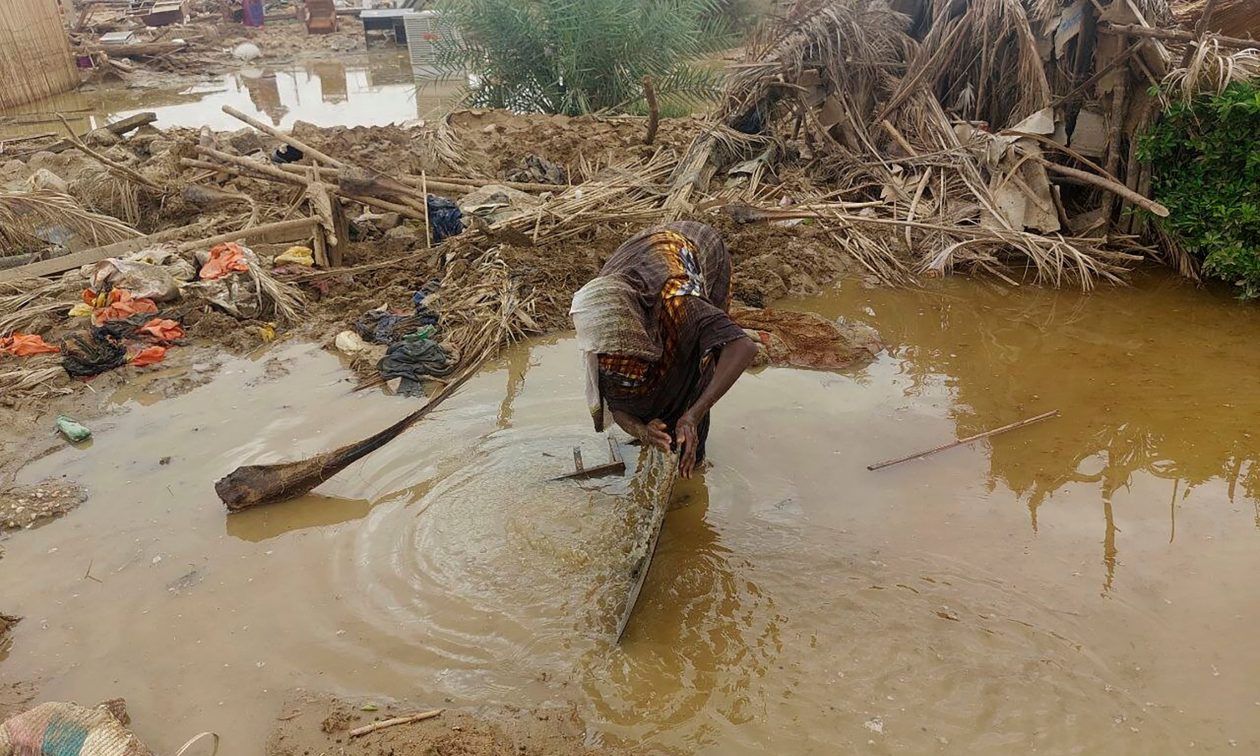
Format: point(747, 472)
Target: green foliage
point(583, 56)
point(1205, 158)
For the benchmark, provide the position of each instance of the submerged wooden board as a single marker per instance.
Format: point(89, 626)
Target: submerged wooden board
point(664, 465)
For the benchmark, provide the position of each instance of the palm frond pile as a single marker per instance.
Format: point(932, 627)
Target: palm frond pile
point(928, 136)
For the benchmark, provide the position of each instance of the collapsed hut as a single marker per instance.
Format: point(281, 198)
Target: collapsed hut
point(35, 58)
point(941, 134)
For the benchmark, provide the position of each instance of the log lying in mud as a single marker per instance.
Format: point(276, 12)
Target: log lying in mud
point(117, 128)
point(252, 485)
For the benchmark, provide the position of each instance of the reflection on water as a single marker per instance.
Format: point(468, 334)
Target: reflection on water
point(378, 89)
point(1084, 585)
point(1155, 381)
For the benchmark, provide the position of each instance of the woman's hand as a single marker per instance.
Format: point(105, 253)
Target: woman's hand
point(656, 433)
point(652, 433)
point(688, 443)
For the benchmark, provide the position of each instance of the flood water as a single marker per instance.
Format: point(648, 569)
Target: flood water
point(1084, 585)
point(366, 90)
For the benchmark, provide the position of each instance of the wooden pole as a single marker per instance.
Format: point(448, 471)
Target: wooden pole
point(297, 224)
point(967, 440)
point(428, 229)
point(283, 137)
point(1176, 35)
point(1106, 184)
point(1119, 108)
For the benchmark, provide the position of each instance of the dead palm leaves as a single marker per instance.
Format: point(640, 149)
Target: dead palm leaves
point(35, 218)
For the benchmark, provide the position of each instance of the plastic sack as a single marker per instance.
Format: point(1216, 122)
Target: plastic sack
point(67, 729)
point(143, 280)
point(72, 430)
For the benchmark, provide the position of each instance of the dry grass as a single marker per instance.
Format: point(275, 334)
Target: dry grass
point(24, 214)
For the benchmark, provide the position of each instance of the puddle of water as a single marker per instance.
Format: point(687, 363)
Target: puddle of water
point(377, 89)
point(1080, 585)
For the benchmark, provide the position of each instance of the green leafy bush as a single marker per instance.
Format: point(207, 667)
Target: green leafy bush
point(582, 56)
point(1205, 158)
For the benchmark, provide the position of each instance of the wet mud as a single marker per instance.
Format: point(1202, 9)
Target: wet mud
point(1077, 586)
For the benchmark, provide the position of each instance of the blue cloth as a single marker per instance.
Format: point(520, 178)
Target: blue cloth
point(445, 219)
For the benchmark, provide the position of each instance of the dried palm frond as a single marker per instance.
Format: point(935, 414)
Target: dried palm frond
point(104, 192)
point(27, 378)
point(482, 306)
point(28, 300)
point(1211, 70)
point(276, 298)
point(24, 215)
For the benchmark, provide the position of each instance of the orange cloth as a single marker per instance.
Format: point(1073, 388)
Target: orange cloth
point(224, 259)
point(122, 305)
point(148, 356)
point(26, 344)
point(163, 330)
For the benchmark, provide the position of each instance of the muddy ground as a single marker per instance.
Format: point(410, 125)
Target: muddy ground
point(314, 724)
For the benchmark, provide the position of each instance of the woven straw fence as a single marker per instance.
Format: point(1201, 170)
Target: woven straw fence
point(35, 58)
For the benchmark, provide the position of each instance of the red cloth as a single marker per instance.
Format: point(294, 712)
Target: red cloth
point(148, 356)
point(26, 344)
point(122, 305)
point(163, 330)
point(224, 259)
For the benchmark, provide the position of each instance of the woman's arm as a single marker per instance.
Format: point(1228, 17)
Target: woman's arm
point(652, 433)
point(735, 358)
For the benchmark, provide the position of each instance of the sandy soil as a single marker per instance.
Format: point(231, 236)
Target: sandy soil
point(317, 724)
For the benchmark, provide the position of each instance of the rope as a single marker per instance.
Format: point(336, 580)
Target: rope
point(195, 738)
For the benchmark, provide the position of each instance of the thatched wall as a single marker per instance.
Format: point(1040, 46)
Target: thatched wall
point(35, 59)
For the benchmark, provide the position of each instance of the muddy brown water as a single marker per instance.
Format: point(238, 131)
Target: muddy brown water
point(371, 89)
point(1084, 585)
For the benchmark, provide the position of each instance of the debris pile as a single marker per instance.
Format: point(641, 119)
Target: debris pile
point(989, 134)
point(892, 140)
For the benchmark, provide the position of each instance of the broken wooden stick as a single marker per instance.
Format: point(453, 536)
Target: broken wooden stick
point(654, 110)
point(280, 227)
point(1107, 185)
point(967, 440)
point(283, 137)
point(114, 167)
point(418, 717)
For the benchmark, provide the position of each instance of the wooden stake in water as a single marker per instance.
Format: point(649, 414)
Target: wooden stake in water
point(967, 440)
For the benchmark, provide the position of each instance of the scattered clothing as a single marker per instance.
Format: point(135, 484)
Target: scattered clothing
point(424, 315)
point(26, 344)
point(73, 430)
point(383, 327)
point(162, 330)
point(650, 325)
point(224, 259)
point(148, 356)
point(413, 360)
point(286, 153)
point(445, 218)
point(120, 304)
point(85, 354)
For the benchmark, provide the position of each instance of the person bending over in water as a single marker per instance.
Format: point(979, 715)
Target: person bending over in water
point(658, 345)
